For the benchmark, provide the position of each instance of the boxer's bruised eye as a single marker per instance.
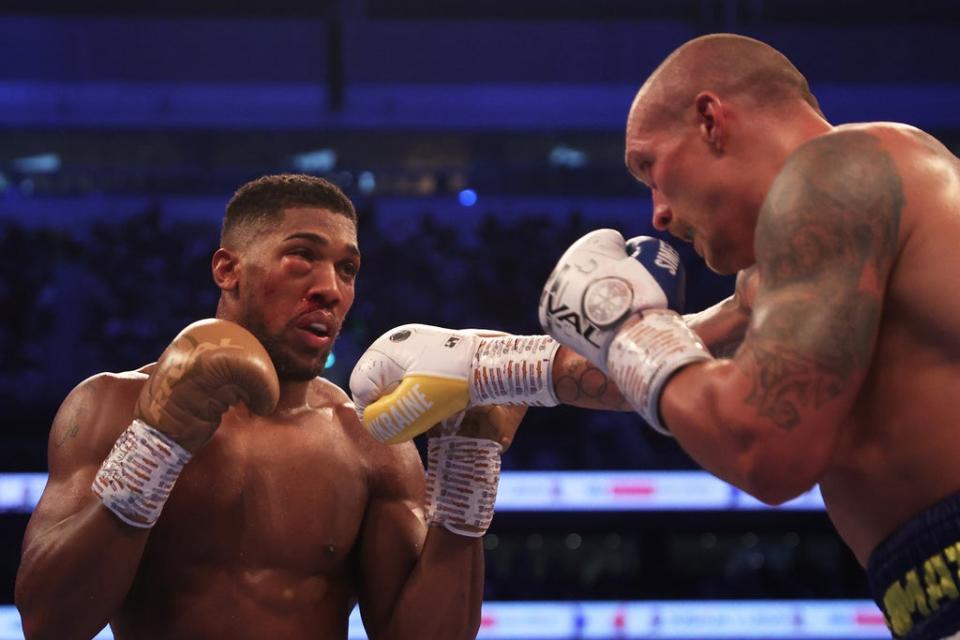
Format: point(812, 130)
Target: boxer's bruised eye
point(297, 264)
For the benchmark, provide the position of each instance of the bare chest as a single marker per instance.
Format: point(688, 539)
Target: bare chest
point(267, 496)
point(895, 454)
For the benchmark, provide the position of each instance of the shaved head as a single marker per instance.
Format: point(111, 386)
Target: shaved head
point(730, 66)
point(708, 133)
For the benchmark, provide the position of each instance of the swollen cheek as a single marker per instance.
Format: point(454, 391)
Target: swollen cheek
point(298, 270)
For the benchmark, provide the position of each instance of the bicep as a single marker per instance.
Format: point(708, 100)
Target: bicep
point(825, 242)
point(83, 431)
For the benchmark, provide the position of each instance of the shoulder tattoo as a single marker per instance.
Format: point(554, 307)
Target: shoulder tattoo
point(825, 241)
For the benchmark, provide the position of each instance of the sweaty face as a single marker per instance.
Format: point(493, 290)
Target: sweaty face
point(695, 196)
point(297, 285)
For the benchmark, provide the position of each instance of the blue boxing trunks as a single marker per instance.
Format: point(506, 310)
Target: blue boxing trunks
point(914, 574)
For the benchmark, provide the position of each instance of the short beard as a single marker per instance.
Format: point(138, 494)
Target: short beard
point(288, 369)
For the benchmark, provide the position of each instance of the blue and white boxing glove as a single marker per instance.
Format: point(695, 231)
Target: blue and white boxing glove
point(599, 283)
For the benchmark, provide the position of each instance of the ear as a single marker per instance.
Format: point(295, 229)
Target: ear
point(711, 120)
point(226, 269)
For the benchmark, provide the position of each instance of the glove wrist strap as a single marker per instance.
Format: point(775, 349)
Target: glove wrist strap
point(644, 356)
point(462, 479)
point(514, 370)
point(137, 477)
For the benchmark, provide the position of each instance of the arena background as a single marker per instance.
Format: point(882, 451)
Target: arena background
point(478, 139)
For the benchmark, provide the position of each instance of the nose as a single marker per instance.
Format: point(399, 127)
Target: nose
point(325, 285)
point(662, 216)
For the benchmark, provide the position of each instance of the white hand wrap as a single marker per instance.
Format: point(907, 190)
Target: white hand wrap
point(514, 370)
point(644, 356)
point(462, 479)
point(137, 477)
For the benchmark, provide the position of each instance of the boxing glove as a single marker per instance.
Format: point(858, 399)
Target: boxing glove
point(415, 376)
point(209, 367)
point(602, 279)
point(600, 282)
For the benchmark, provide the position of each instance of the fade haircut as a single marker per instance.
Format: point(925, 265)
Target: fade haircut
point(729, 64)
point(260, 203)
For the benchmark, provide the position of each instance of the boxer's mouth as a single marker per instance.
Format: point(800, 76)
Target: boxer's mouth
point(318, 323)
point(318, 329)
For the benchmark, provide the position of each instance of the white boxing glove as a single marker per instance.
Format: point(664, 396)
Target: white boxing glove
point(600, 282)
point(415, 376)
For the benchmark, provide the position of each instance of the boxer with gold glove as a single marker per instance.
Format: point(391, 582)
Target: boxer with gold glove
point(209, 367)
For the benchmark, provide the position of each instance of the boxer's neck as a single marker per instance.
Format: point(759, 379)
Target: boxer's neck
point(293, 394)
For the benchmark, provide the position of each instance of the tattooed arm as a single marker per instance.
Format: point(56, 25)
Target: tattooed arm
point(579, 382)
point(825, 241)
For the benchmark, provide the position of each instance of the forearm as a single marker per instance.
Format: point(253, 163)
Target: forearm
point(695, 406)
point(710, 407)
point(74, 575)
point(720, 327)
point(444, 592)
point(723, 326)
point(580, 383)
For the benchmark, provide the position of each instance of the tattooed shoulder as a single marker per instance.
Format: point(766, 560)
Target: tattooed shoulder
point(68, 433)
point(826, 239)
point(838, 199)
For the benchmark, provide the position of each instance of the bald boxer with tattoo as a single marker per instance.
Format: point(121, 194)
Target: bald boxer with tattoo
point(850, 368)
point(228, 491)
point(848, 373)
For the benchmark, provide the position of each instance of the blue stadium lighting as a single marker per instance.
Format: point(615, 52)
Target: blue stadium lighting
point(551, 491)
point(468, 197)
point(319, 161)
point(41, 163)
point(366, 183)
point(564, 156)
point(331, 359)
point(627, 620)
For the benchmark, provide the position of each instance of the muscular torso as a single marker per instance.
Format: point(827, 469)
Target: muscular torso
point(898, 452)
point(257, 539)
